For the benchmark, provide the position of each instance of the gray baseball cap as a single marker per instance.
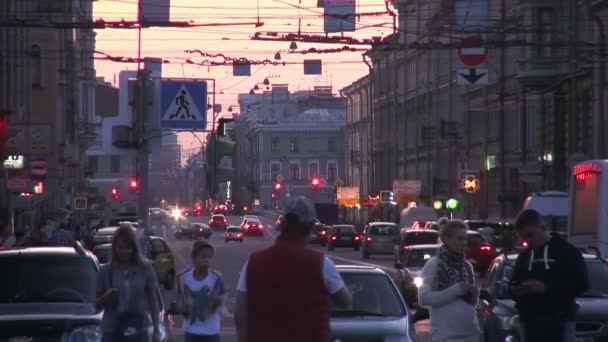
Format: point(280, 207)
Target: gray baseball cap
point(303, 208)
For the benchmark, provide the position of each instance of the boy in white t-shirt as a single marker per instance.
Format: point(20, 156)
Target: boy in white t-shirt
point(200, 293)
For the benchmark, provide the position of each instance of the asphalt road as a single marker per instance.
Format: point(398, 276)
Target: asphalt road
point(230, 257)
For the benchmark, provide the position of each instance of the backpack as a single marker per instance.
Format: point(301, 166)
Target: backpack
point(130, 325)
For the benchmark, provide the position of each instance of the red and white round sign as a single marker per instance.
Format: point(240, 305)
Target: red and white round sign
point(472, 53)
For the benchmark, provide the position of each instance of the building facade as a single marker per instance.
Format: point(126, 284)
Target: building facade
point(289, 138)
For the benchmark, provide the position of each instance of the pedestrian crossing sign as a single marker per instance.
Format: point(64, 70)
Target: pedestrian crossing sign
point(183, 104)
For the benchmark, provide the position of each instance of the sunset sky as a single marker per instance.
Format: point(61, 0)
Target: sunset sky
point(339, 69)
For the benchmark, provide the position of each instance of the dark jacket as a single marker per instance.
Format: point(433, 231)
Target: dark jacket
point(563, 271)
point(286, 296)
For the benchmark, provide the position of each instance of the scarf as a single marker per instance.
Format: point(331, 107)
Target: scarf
point(452, 268)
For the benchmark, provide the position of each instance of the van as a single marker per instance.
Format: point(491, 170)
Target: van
point(553, 206)
point(409, 216)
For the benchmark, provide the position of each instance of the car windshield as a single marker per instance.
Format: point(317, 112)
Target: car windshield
point(474, 240)
point(386, 230)
point(233, 230)
point(372, 295)
point(421, 238)
point(218, 217)
point(57, 272)
point(343, 230)
point(418, 257)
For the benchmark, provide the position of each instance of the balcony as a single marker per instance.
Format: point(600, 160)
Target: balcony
point(540, 71)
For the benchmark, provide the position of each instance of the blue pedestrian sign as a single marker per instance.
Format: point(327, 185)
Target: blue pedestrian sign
point(183, 104)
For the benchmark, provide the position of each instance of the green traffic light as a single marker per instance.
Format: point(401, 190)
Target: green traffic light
point(438, 205)
point(452, 204)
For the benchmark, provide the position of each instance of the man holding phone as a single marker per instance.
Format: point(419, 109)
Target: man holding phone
point(547, 277)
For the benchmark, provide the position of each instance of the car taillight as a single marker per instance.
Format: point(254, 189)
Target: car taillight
point(225, 221)
point(333, 237)
point(239, 234)
point(323, 232)
point(525, 243)
point(200, 230)
point(485, 248)
point(405, 247)
point(247, 226)
point(416, 225)
point(368, 239)
point(210, 221)
point(357, 237)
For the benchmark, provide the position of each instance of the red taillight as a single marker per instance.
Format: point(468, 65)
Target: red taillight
point(239, 234)
point(323, 232)
point(416, 225)
point(200, 230)
point(211, 221)
point(357, 237)
point(247, 226)
point(368, 239)
point(226, 221)
point(333, 237)
point(485, 248)
point(525, 243)
point(405, 247)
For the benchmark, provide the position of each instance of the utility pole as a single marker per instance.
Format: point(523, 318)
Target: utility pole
point(214, 142)
point(143, 153)
point(501, 120)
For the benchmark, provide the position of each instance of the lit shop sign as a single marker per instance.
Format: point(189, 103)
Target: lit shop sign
point(14, 162)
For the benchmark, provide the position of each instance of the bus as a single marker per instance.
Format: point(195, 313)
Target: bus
point(588, 219)
point(553, 206)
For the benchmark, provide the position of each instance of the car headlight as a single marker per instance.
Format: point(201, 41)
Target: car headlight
point(88, 333)
point(397, 339)
point(506, 322)
point(418, 281)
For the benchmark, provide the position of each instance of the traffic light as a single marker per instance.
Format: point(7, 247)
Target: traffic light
point(273, 195)
point(278, 186)
point(470, 184)
point(115, 192)
point(452, 204)
point(134, 184)
point(438, 205)
point(315, 182)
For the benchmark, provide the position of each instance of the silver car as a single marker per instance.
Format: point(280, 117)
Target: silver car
point(379, 238)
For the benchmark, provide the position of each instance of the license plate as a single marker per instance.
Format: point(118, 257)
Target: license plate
point(345, 238)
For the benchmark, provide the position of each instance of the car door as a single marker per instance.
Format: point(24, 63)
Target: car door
point(162, 257)
point(386, 238)
point(485, 305)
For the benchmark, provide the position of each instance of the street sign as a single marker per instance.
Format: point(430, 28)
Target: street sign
point(280, 178)
point(472, 76)
point(183, 104)
point(14, 162)
point(386, 196)
point(472, 53)
point(39, 169)
point(348, 195)
point(80, 203)
point(406, 187)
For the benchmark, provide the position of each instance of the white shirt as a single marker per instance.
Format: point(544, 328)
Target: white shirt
point(331, 278)
point(198, 292)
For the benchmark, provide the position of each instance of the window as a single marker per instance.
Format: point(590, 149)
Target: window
point(36, 56)
point(313, 168)
point(332, 170)
point(331, 144)
point(275, 170)
point(275, 145)
point(294, 171)
point(545, 31)
point(93, 162)
point(293, 144)
point(115, 164)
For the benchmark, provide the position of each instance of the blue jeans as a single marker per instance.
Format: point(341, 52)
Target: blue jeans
point(568, 331)
point(201, 338)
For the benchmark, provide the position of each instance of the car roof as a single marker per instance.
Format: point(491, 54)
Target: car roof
point(382, 223)
point(106, 230)
point(234, 227)
point(76, 251)
point(218, 214)
point(513, 256)
point(359, 269)
point(428, 246)
point(104, 246)
point(473, 232)
point(152, 237)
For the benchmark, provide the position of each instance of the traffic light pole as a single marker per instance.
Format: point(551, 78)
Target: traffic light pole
point(143, 154)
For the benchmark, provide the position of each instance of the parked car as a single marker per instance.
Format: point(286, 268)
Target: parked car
point(218, 222)
point(319, 234)
point(343, 236)
point(234, 233)
point(377, 313)
point(379, 238)
point(496, 307)
point(43, 301)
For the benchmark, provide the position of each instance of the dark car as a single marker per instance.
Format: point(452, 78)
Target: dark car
point(252, 227)
point(496, 308)
point(218, 222)
point(343, 236)
point(479, 252)
point(200, 230)
point(183, 231)
point(234, 233)
point(413, 237)
point(319, 234)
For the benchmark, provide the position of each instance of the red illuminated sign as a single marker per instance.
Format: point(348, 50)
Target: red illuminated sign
point(470, 184)
point(587, 168)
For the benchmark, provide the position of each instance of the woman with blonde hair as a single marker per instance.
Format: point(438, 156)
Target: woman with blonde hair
point(448, 288)
point(127, 292)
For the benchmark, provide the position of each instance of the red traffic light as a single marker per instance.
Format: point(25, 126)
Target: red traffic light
point(115, 192)
point(315, 181)
point(278, 186)
point(133, 184)
point(273, 195)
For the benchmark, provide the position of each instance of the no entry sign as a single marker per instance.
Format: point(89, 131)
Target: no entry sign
point(472, 53)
